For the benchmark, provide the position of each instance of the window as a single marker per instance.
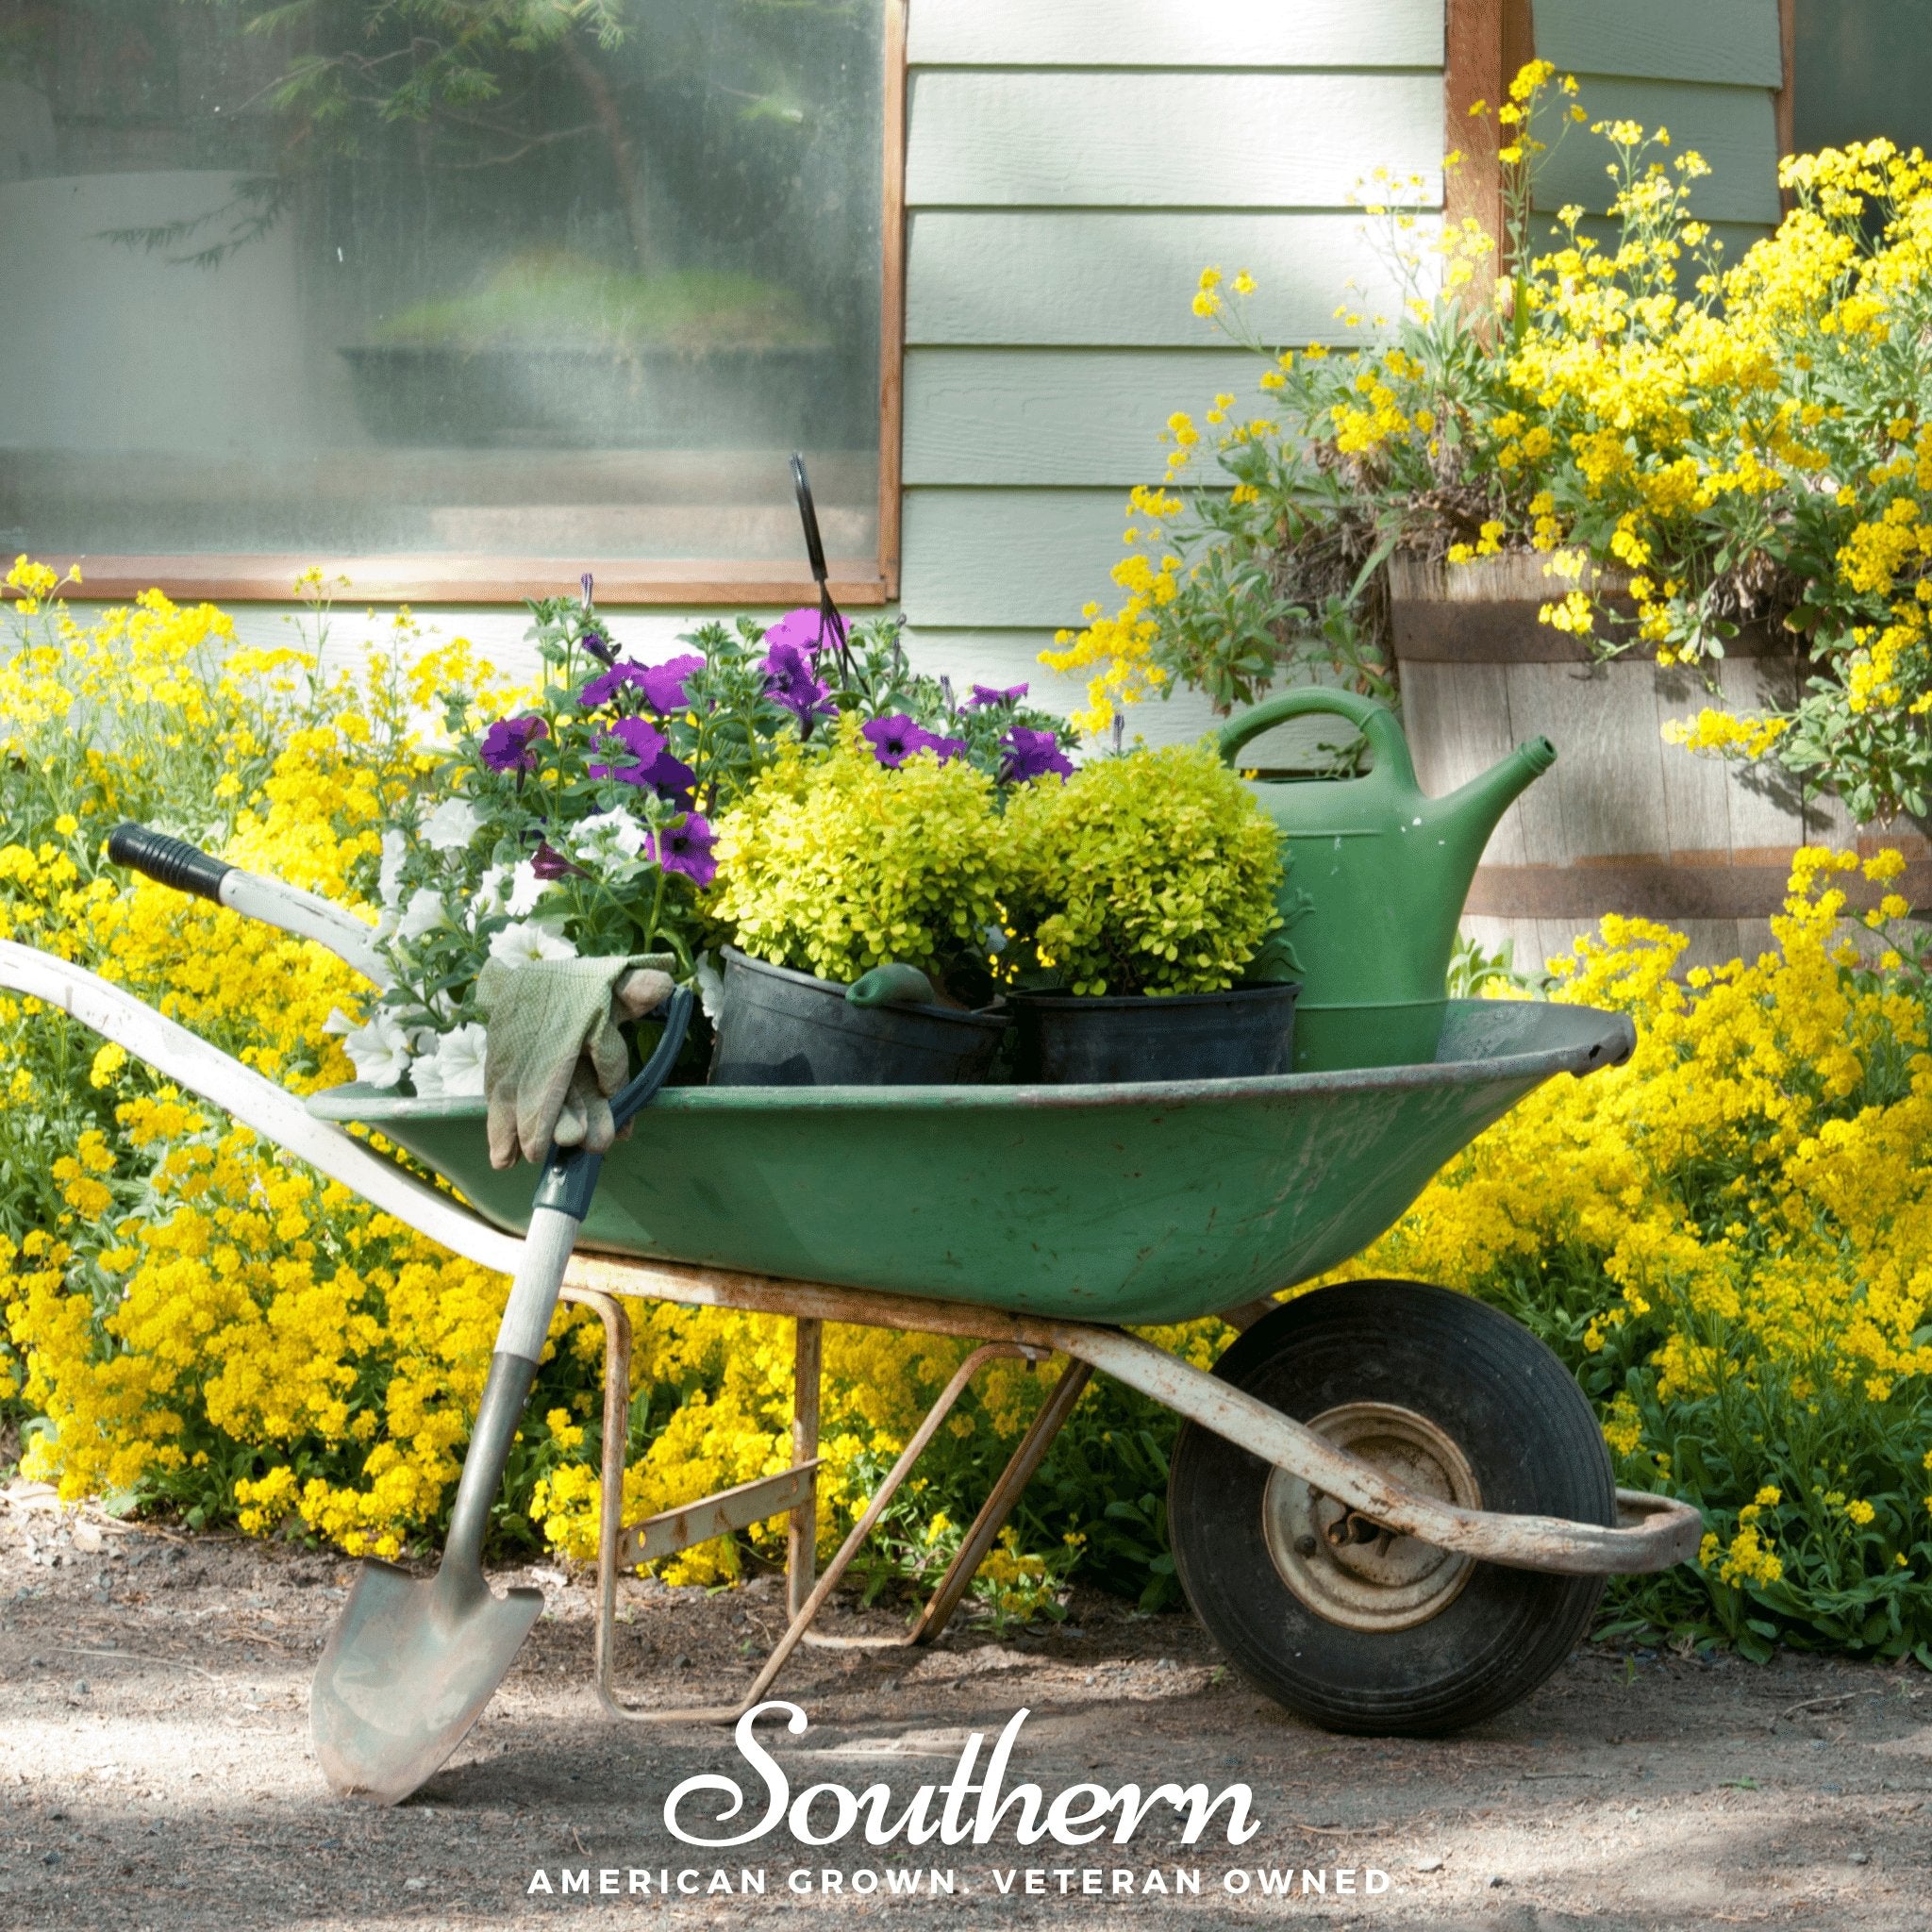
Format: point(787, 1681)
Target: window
point(458, 295)
point(1859, 69)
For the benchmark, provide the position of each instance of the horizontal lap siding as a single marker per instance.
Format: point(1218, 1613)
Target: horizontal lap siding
point(1214, 141)
point(1023, 416)
point(1071, 169)
point(1734, 42)
point(1705, 71)
point(1177, 33)
point(1122, 278)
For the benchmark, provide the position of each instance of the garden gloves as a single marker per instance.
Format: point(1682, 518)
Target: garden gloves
point(555, 1056)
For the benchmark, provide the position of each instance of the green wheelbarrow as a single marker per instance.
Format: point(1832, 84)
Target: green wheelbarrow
point(1389, 1504)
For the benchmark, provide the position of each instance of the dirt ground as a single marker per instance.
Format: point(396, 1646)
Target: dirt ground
point(154, 1771)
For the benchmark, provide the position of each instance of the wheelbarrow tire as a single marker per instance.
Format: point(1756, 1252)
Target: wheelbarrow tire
point(1530, 1442)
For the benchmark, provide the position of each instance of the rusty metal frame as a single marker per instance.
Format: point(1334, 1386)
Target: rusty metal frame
point(1651, 1533)
point(855, 1540)
point(805, 1597)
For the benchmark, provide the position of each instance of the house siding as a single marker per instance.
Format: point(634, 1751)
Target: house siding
point(1708, 73)
point(1069, 170)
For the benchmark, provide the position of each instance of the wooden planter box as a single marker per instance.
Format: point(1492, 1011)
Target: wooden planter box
point(1623, 822)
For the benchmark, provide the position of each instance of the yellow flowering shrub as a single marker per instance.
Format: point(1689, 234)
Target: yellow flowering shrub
point(189, 1321)
point(1722, 444)
point(1150, 874)
point(1730, 1240)
point(837, 863)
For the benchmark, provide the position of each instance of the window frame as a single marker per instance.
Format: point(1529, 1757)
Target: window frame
point(268, 578)
point(1486, 42)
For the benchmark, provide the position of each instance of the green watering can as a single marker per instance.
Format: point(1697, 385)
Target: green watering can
point(1377, 875)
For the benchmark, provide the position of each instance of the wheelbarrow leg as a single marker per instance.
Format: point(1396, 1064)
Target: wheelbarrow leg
point(616, 1444)
point(999, 1504)
point(875, 1508)
point(986, 1525)
point(801, 1547)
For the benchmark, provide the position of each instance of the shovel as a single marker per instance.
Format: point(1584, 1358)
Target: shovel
point(412, 1660)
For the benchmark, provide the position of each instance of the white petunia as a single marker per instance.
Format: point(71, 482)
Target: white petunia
point(492, 895)
point(424, 913)
point(525, 891)
point(607, 835)
point(710, 988)
point(379, 1051)
point(389, 881)
point(454, 1071)
point(452, 825)
point(529, 941)
point(338, 1022)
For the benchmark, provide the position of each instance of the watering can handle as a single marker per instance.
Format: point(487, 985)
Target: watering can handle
point(1376, 723)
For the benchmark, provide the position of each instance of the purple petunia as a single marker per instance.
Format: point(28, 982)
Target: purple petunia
point(644, 743)
point(804, 629)
point(672, 777)
point(664, 683)
point(651, 761)
point(985, 695)
point(1032, 755)
point(791, 681)
point(685, 848)
point(896, 739)
point(599, 646)
point(549, 863)
point(508, 744)
point(627, 675)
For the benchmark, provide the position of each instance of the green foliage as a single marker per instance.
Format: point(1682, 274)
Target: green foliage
point(555, 300)
point(1150, 874)
point(835, 864)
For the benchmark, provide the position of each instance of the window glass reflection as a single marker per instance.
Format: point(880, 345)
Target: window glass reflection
point(453, 277)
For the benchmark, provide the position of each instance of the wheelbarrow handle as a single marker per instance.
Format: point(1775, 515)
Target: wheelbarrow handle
point(168, 861)
point(172, 861)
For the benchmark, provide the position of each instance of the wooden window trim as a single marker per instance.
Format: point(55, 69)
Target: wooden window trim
point(1784, 103)
point(1486, 41)
point(268, 578)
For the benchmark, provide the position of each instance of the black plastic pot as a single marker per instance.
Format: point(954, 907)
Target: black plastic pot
point(1065, 1040)
point(781, 1028)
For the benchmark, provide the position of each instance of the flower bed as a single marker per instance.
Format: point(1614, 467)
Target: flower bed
point(1730, 1240)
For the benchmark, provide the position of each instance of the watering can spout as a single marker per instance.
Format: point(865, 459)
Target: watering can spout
point(1465, 819)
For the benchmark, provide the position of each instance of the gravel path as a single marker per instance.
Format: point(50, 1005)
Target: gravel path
point(154, 1771)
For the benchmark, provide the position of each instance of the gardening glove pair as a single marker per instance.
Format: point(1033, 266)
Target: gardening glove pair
point(555, 1056)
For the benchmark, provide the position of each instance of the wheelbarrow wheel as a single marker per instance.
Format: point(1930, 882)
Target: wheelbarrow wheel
point(1369, 1633)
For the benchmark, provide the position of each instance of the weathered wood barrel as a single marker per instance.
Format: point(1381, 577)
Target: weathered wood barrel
point(1624, 822)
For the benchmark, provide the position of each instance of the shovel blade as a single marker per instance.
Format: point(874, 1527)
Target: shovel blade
point(407, 1671)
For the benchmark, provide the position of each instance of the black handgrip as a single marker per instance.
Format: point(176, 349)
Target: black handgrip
point(632, 1099)
point(172, 861)
point(808, 516)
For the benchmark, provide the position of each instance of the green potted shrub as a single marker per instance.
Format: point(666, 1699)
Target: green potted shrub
point(864, 885)
point(1142, 893)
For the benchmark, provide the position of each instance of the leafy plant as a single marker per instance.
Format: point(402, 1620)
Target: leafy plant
point(836, 864)
point(1151, 873)
point(1688, 448)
